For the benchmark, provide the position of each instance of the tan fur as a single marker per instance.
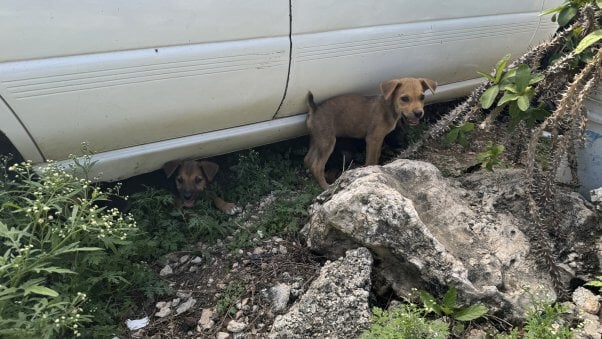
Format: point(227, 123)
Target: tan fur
point(192, 178)
point(369, 118)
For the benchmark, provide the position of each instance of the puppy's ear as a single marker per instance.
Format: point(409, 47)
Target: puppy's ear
point(209, 168)
point(428, 84)
point(170, 167)
point(389, 87)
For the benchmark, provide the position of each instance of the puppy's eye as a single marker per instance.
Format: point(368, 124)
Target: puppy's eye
point(180, 180)
point(198, 180)
point(405, 98)
point(421, 97)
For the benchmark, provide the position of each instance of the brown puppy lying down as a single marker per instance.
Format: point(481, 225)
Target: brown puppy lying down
point(192, 178)
point(369, 118)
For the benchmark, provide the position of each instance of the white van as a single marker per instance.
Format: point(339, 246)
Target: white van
point(147, 82)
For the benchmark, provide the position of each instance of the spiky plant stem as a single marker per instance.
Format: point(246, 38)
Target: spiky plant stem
point(569, 117)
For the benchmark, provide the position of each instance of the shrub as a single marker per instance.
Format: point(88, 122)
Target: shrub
point(73, 265)
point(543, 321)
point(406, 321)
point(52, 232)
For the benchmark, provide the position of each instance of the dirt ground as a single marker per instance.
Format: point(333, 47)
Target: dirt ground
point(232, 284)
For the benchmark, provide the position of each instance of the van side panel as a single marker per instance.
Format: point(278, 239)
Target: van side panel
point(74, 27)
point(127, 73)
point(449, 43)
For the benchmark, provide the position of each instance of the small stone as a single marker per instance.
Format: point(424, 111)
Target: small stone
point(172, 257)
point(282, 249)
point(193, 269)
point(476, 334)
point(590, 327)
point(239, 314)
point(164, 312)
point(138, 334)
point(278, 297)
point(206, 322)
point(165, 271)
point(162, 304)
point(175, 302)
point(258, 250)
point(586, 300)
point(196, 260)
point(184, 259)
point(235, 326)
point(183, 295)
point(185, 306)
point(222, 335)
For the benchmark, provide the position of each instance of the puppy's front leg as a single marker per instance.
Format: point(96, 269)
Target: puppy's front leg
point(373, 148)
point(226, 207)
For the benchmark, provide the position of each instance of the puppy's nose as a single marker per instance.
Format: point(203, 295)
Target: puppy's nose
point(187, 195)
point(418, 113)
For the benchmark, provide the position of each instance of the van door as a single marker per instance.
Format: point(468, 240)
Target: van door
point(351, 46)
point(123, 73)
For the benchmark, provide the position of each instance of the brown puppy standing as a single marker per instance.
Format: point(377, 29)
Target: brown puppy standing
point(369, 118)
point(192, 178)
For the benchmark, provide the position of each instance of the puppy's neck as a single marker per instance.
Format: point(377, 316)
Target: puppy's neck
point(388, 107)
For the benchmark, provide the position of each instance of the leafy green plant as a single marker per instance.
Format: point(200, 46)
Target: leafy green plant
point(491, 157)
point(226, 304)
point(564, 13)
point(459, 134)
point(517, 91)
point(543, 321)
point(52, 229)
point(495, 82)
point(449, 307)
point(406, 321)
point(596, 283)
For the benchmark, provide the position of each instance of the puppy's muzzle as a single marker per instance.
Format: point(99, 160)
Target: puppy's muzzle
point(188, 197)
point(414, 117)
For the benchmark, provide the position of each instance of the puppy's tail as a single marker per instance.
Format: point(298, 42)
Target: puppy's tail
point(310, 103)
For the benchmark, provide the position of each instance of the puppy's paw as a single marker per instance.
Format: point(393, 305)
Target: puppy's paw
point(231, 209)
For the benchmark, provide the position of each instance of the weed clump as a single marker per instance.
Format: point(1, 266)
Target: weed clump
point(66, 263)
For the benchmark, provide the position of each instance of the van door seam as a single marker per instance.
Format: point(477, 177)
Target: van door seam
point(24, 128)
point(290, 55)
